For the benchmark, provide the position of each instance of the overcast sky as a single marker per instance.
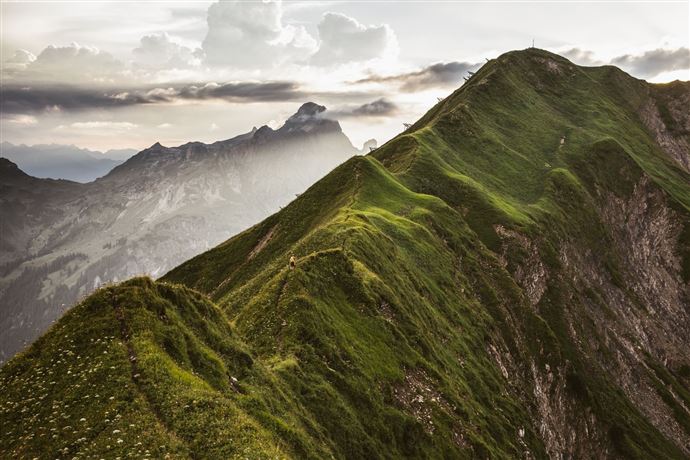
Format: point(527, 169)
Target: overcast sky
point(127, 74)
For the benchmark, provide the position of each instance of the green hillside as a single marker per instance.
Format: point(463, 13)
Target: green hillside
point(509, 278)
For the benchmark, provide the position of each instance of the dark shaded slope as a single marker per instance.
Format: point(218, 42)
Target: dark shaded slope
point(474, 289)
point(25, 203)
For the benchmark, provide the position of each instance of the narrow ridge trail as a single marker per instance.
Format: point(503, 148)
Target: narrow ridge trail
point(353, 200)
point(125, 335)
point(279, 294)
point(255, 250)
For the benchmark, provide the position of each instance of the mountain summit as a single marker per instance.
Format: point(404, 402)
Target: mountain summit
point(307, 112)
point(508, 278)
point(310, 116)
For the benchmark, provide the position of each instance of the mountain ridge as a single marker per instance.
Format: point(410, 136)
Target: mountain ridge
point(67, 162)
point(155, 210)
point(507, 278)
point(303, 121)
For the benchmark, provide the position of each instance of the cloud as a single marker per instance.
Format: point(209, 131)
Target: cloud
point(378, 108)
point(436, 75)
point(645, 65)
point(344, 40)
point(20, 120)
point(20, 60)
point(20, 99)
point(160, 51)
point(243, 91)
point(100, 125)
point(581, 57)
point(252, 35)
point(73, 63)
point(242, 38)
point(654, 62)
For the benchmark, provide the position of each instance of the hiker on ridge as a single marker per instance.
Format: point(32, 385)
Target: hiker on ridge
point(292, 262)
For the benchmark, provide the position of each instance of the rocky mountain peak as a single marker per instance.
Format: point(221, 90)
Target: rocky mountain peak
point(6, 165)
point(262, 132)
point(9, 169)
point(310, 116)
point(309, 110)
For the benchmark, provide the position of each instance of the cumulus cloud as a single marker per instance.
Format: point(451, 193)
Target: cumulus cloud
point(343, 40)
point(379, 108)
point(159, 51)
point(252, 35)
point(73, 62)
point(21, 99)
point(442, 74)
point(654, 62)
point(243, 37)
point(20, 59)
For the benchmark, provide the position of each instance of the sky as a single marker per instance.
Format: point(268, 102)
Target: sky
point(126, 74)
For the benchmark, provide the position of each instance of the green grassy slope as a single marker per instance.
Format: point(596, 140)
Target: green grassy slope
point(141, 369)
point(438, 308)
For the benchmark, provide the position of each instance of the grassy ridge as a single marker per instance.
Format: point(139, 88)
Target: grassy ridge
point(405, 330)
point(140, 369)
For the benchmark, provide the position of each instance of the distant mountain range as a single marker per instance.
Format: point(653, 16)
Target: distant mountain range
point(69, 162)
point(62, 239)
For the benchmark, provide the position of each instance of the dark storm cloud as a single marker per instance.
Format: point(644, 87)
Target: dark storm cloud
point(18, 99)
point(654, 62)
point(581, 57)
point(648, 64)
point(378, 108)
point(245, 92)
point(439, 74)
point(26, 99)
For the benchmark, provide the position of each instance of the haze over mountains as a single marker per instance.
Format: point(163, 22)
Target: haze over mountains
point(62, 239)
point(508, 278)
point(69, 162)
